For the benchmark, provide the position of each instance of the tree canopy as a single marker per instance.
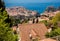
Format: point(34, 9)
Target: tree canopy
point(6, 33)
point(55, 20)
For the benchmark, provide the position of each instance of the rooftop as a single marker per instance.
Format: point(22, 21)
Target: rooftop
point(28, 31)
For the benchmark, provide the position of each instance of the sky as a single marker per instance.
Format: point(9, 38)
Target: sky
point(32, 1)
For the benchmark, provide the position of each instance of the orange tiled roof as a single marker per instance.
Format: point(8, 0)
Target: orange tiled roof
point(38, 29)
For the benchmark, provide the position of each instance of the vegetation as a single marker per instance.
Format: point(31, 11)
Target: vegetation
point(14, 21)
point(56, 29)
point(54, 33)
point(2, 5)
point(51, 8)
point(6, 33)
point(36, 39)
point(47, 23)
point(56, 18)
point(58, 8)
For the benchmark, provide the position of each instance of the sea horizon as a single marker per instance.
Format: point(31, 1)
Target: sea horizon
point(39, 7)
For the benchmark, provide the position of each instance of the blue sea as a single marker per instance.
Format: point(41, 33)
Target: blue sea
point(39, 7)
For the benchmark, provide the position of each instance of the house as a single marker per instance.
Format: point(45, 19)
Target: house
point(28, 32)
point(14, 11)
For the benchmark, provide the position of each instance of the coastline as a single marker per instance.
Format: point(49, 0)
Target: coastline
point(39, 7)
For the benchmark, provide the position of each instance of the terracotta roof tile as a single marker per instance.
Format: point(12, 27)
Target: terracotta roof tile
point(39, 29)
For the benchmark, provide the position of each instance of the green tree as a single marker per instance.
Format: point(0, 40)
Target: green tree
point(54, 33)
point(6, 33)
point(2, 5)
point(50, 8)
point(56, 29)
point(45, 22)
point(56, 18)
point(15, 21)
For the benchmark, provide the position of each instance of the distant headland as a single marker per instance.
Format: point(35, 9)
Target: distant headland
point(39, 7)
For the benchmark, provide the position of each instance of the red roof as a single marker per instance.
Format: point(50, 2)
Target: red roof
point(38, 29)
